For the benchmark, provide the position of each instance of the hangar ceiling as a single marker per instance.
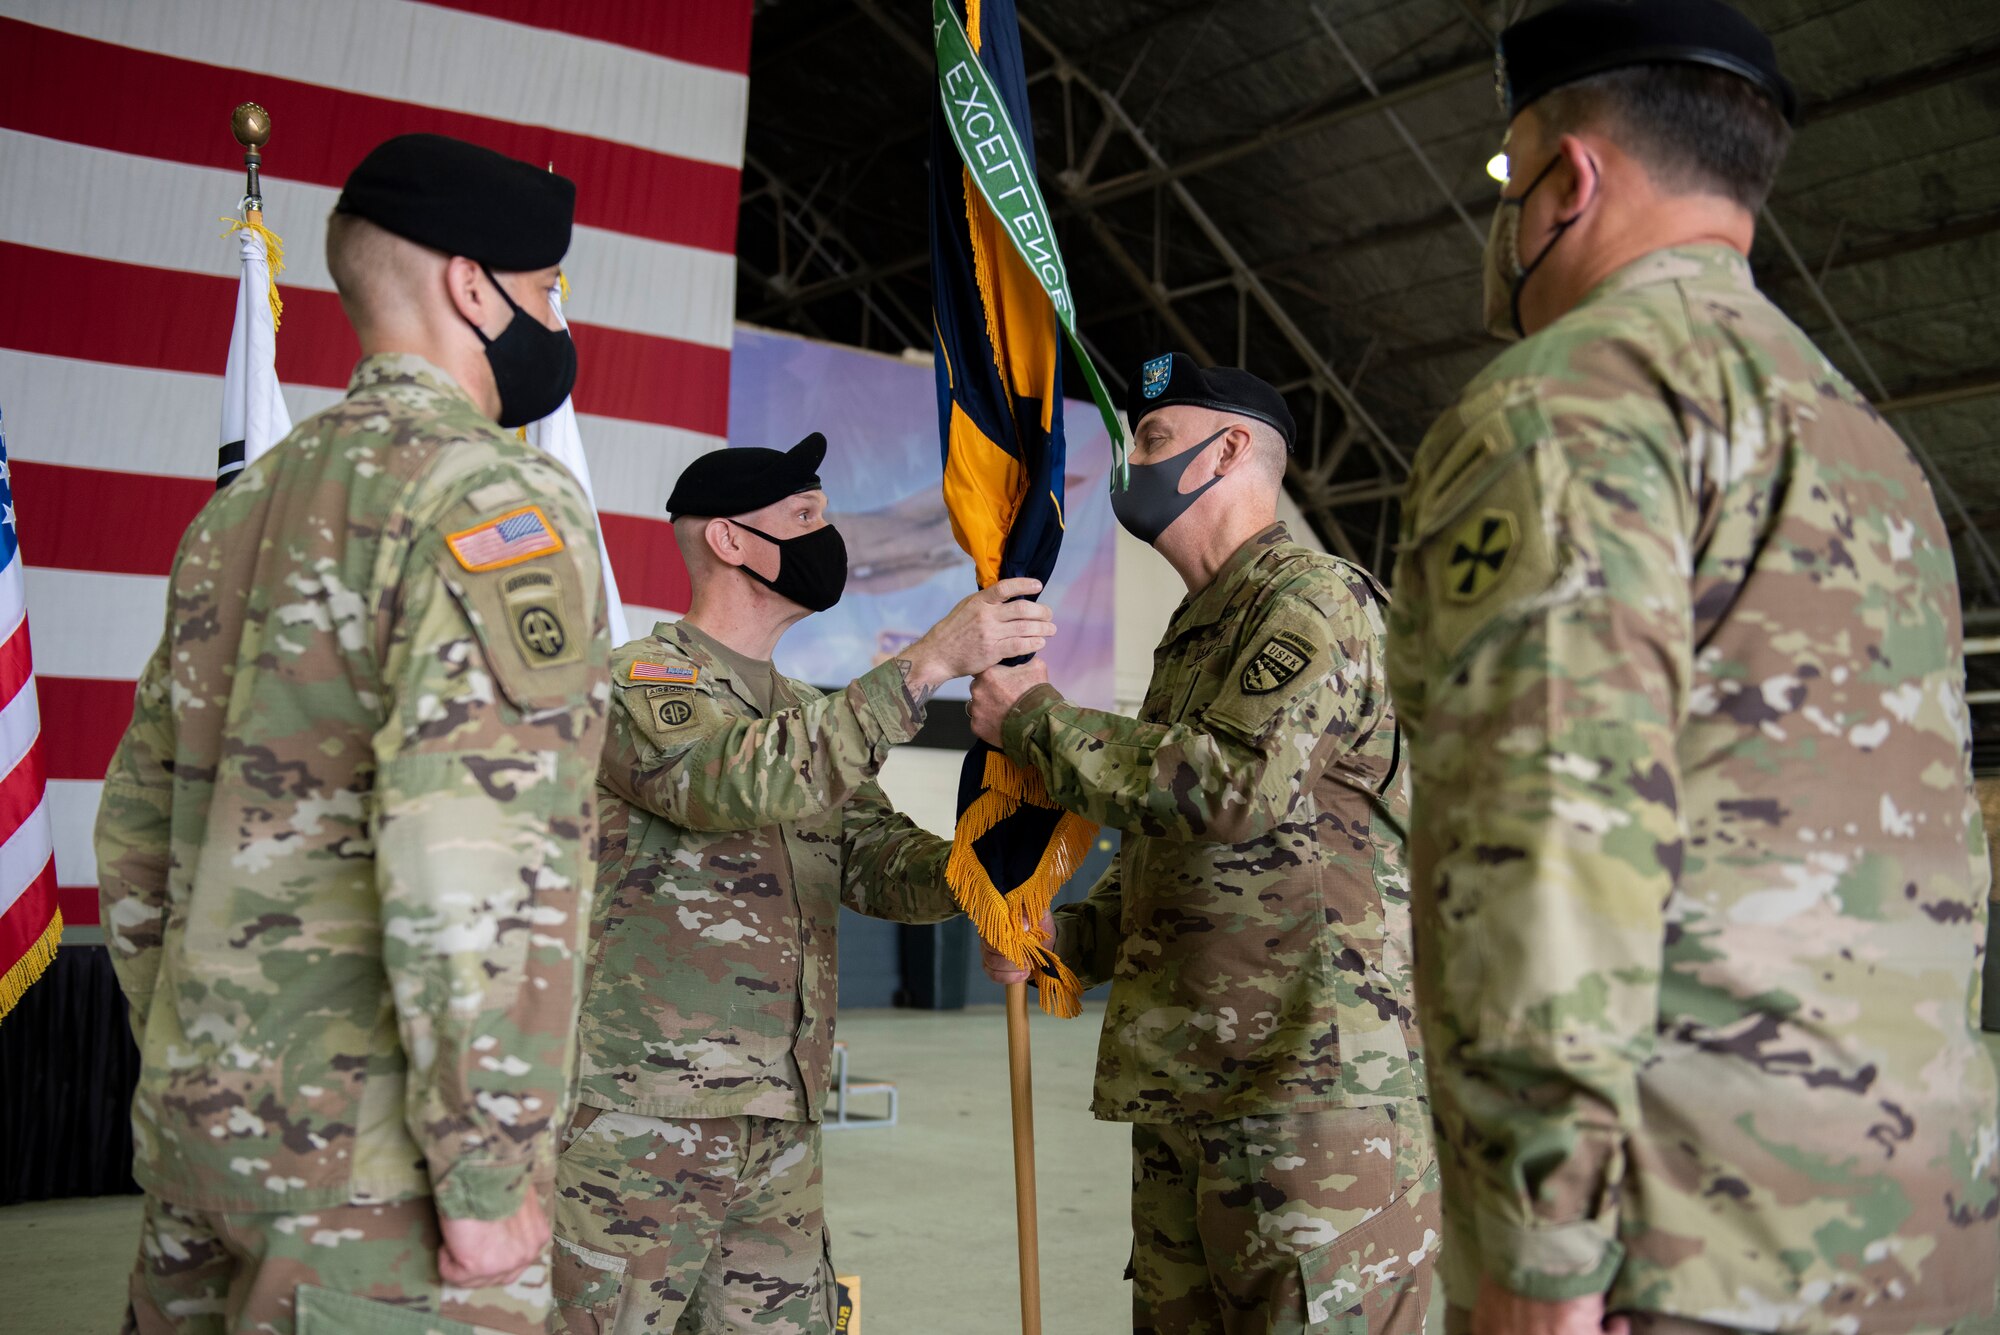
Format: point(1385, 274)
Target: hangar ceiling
point(1299, 187)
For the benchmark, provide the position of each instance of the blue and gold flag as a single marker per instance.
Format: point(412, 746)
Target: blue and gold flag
point(1002, 307)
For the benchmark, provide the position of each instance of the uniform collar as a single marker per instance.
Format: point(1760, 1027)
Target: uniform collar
point(1199, 609)
point(1706, 266)
point(699, 646)
point(406, 370)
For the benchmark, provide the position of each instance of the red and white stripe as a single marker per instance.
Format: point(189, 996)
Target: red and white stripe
point(120, 288)
point(27, 855)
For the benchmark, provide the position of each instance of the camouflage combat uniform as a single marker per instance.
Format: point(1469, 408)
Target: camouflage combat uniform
point(1255, 930)
point(344, 856)
point(1700, 884)
point(734, 828)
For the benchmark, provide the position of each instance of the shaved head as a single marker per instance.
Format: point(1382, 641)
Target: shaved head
point(382, 279)
point(691, 536)
point(1270, 456)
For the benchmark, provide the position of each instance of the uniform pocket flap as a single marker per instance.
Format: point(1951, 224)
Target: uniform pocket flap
point(1371, 1259)
point(324, 1312)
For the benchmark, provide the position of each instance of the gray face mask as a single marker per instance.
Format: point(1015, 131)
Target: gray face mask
point(1504, 275)
point(1152, 502)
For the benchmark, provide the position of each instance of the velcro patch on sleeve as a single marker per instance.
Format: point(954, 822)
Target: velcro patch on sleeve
point(665, 672)
point(1283, 657)
point(505, 540)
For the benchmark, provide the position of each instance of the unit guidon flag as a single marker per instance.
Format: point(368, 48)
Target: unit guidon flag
point(1002, 306)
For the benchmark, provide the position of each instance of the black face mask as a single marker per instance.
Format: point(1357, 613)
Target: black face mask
point(534, 366)
point(812, 568)
point(1152, 501)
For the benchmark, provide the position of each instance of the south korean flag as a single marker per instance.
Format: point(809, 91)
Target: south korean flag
point(254, 417)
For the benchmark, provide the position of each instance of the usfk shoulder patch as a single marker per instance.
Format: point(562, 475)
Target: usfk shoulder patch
point(1481, 550)
point(1283, 657)
point(505, 540)
point(664, 672)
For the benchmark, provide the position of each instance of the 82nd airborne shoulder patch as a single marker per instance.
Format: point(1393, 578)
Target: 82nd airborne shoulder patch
point(1282, 658)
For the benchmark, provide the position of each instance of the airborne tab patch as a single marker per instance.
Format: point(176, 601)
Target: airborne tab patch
point(509, 539)
point(673, 676)
point(1283, 657)
point(1481, 550)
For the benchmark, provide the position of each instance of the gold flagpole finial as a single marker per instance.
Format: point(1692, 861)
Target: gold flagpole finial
point(251, 125)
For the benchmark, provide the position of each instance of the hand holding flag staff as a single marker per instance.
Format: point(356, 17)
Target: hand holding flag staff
point(1001, 307)
point(254, 417)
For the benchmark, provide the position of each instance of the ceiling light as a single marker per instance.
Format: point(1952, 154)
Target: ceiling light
point(1497, 168)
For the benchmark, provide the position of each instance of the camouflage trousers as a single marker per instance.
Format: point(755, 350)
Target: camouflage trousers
point(1313, 1223)
point(701, 1226)
point(340, 1269)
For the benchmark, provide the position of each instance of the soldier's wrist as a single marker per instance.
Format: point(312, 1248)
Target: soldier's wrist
point(1022, 716)
point(483, 1190)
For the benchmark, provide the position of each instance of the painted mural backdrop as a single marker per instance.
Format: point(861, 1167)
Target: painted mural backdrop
point(881, 473)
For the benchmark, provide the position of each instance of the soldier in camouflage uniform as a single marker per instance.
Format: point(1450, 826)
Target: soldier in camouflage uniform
point(344, 847)
point(1255, 928)
point(1700, 883)
point(740, 811)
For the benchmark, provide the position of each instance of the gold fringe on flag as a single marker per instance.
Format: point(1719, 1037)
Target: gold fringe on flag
point(29, 967)
point(1010, 921)
point(274, 254)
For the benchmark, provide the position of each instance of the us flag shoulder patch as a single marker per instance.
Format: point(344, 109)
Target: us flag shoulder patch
point(519, 535)
point(673, 676)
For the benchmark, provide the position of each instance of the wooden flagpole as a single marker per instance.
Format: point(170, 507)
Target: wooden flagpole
point(1020, 1079)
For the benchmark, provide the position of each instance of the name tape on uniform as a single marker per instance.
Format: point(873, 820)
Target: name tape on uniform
point(505, 540)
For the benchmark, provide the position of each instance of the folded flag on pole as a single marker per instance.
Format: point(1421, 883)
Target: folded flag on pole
point(254, 417)
point(30, 922)
point(1002, 307)
point(556, 436)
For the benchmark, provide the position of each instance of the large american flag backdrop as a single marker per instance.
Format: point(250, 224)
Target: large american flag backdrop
point(117, 166)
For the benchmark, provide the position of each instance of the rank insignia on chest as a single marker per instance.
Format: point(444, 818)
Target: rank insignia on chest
point(1481, 551)
point(505, 540)
point(664, 672)
point(1283, 657)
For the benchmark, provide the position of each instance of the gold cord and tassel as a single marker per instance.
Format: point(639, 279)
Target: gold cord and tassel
point(274, 255)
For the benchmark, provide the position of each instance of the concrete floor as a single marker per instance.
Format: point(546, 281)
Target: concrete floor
point(922, 1212)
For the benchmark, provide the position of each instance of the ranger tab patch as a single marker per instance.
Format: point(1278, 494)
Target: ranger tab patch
point(673, 676)
point(1481, 550)
point(509, 539)
point(1283, 657)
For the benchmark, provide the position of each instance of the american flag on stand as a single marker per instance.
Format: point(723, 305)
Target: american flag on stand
point(116, 324)
point(30, 922)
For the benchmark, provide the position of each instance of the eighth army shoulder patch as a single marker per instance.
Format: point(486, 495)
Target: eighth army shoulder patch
point(1282, 658)
point(1480, 552)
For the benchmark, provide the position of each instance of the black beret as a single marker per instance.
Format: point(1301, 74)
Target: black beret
point(737, 480)
point(1176, 378)
point(464, 200)
point(1579, 38)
